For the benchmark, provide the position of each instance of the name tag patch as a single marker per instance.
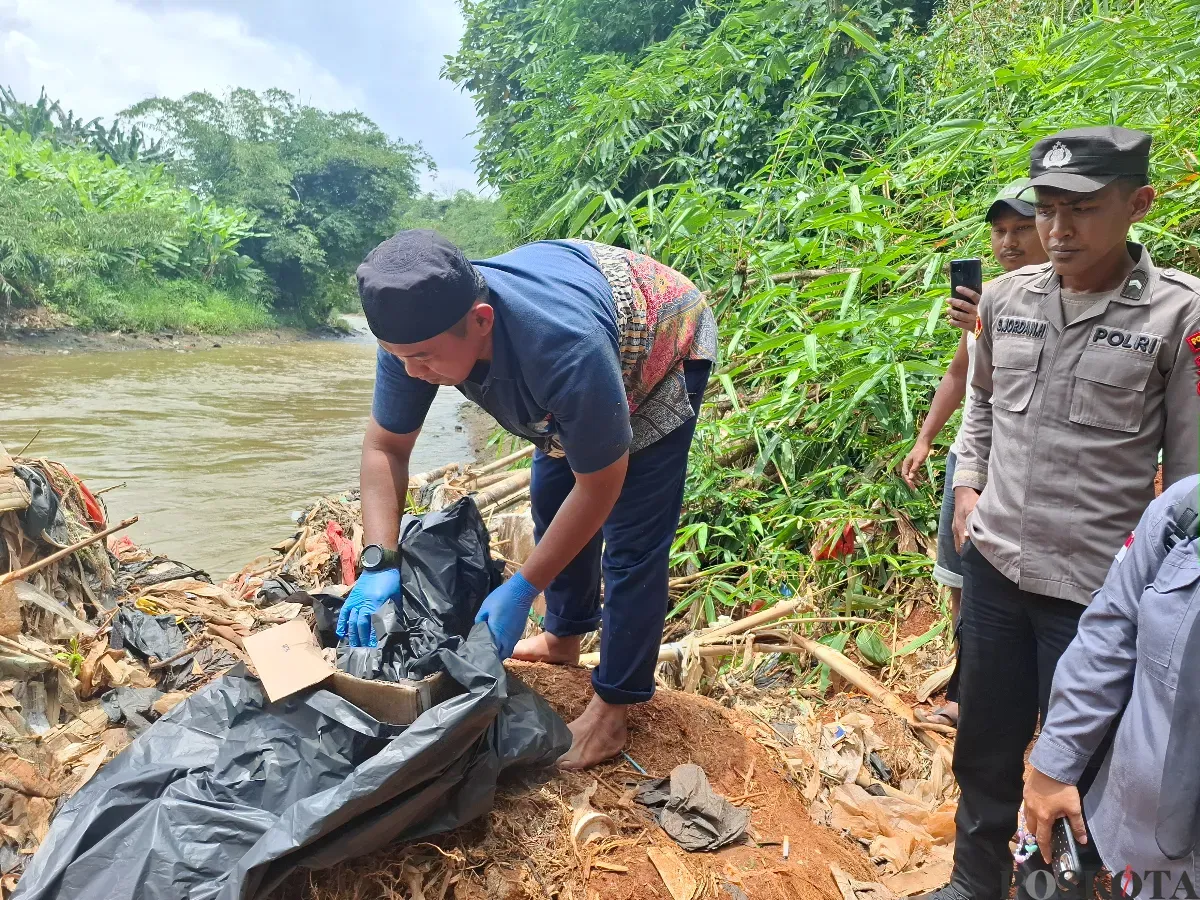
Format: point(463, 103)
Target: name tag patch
point(1137, 341)
point(1021, 326)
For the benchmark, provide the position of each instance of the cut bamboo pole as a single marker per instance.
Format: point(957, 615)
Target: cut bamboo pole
point(66, 551)
point(506, 461)
point(778, 611)
point(423, 478)
point(674, 652)
point(869, 686)
point(497, 492)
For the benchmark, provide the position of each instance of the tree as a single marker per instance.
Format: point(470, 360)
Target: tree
point(472, 222)
point(327, 187)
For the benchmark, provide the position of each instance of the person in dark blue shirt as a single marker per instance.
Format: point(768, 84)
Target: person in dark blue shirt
point(597, 355)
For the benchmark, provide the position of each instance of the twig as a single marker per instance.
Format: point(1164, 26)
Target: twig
point(29, 651)
point(29, 443)
point(111, 487)
point(66, 551)
point(154, 667)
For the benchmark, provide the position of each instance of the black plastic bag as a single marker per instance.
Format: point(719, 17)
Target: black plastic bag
point(157, 636)
point(43, 513)
point(444, 558)
point(227, 794)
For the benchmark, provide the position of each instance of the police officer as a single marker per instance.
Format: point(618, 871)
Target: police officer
point(1084, 372)
point(1138, 650)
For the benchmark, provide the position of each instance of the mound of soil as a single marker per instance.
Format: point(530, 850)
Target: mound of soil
point(523, 848)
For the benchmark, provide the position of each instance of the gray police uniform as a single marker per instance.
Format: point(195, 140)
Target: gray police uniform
point(1069, 413)
point(1131, 650)
point(1068, 419)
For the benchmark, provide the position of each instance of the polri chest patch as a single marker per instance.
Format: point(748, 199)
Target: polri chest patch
point(1020, 326)
point(1120, 339)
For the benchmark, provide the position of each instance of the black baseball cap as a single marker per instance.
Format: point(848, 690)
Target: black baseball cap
point(1083, 160)
point(415, 285)
point(1008, 199)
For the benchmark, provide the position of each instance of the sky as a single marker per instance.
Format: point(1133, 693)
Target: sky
point(382, 57)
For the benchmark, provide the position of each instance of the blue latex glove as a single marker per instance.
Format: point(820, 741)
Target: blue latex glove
point(371, 591)
point(506, 610)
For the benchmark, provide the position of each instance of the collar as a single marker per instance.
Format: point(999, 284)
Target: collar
point(1136, 289)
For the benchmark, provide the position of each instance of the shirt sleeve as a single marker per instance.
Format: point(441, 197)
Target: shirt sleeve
point(1094, 678)
point(586, 396)
point(1181, 434)
point(975, 435)
point(401, 402)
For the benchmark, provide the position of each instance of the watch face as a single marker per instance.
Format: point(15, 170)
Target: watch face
point(372, 556)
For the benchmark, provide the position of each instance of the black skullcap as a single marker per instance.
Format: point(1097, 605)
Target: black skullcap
point(415, 285)
point(1083, 160)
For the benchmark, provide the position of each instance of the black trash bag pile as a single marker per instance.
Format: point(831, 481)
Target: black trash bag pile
point(227, 794)
point(444, 557)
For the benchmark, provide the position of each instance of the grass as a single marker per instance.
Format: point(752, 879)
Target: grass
point(155, 304)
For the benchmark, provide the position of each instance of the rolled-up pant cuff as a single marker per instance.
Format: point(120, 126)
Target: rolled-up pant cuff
point(561, 626)
point(617, 696)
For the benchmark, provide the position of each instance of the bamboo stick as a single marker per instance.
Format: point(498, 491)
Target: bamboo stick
point(508, 486)
point(673, 652)
point(776, 612)
point(66, 551)
point(505, 502)
point(870, 687)
point(423, 478)
point(506, 461)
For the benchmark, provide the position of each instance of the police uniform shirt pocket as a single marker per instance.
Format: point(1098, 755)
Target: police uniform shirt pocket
point(1164, 608)
point(1014, 374)
point(1110, 388)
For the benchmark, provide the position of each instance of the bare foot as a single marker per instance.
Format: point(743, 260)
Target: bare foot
point(599, 734)
point(946, 714)
point(547, 648)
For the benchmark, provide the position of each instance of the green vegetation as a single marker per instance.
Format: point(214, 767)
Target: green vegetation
point(243, 211)
point(326, 187)
point(814, 166)
point(474, 223)
point(119, 247)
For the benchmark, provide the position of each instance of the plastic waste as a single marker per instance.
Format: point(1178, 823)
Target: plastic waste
point(228, 793)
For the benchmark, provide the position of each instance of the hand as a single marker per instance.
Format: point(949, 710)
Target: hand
point(371, 591)
point(963, 313)
point(910, 469)
point(1047, 801)
point(965, 499)
point(506, 610)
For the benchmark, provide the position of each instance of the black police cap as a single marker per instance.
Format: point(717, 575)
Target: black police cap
point(1083, 160)
point(416, 285)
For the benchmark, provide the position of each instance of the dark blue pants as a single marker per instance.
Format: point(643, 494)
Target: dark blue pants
point(632, 551)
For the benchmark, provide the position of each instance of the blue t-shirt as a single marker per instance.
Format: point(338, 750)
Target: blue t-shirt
point(555, 368)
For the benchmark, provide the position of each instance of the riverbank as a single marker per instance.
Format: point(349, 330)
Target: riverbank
point(67, 339)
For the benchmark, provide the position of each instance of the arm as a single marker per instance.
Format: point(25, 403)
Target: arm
point(577, 521)
point(975, 437)
point(946, 399)
point(383, 479)
point(1181, 434)
point(397, 413)
point(1094, 678)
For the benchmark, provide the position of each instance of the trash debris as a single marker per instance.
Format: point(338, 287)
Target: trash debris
point(587, 824)
point(229, 792)
point(688, 809)
point(679, 880)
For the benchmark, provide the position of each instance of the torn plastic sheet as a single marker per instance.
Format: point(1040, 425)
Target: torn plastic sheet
point(227, 794)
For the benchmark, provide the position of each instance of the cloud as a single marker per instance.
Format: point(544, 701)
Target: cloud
point(100, 56)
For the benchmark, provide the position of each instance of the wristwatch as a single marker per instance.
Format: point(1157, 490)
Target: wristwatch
point(375, 558)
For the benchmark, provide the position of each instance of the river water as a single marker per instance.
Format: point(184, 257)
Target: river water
point(217, 447)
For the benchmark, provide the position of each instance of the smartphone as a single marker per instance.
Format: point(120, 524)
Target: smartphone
point(967, 273)
point(1064, 856)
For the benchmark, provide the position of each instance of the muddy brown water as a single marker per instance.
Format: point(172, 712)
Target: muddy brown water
point(217, 447)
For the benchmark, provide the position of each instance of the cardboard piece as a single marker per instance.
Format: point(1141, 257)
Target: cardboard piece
point(287, 659)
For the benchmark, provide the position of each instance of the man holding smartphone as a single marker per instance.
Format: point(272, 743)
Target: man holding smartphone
point(1015, 244)
point(1085, 368)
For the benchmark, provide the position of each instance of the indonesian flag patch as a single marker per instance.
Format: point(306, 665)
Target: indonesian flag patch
point(1125, 547)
